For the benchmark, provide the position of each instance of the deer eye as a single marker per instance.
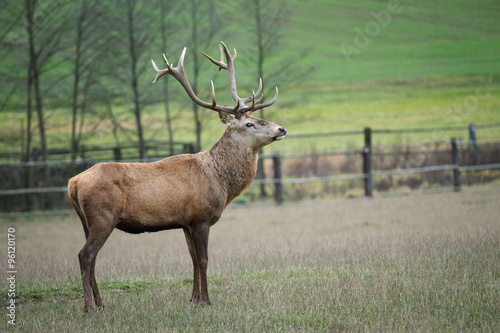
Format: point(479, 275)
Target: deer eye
point(250, 125)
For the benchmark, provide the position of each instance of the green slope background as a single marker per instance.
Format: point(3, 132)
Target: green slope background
point(434, 63)
point(379, 64)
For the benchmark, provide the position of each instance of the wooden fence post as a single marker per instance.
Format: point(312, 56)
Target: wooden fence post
point(454, 161)
point(117, 153)
point(367, 158)
point(86, 164)
point(278, 193)
point(189, 148)
point(472, 143)
point(83, 149)
point(368, 137)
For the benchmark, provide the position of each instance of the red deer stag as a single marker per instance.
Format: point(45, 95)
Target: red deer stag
point(188, 191)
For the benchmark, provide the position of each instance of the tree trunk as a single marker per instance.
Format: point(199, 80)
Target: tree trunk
point(76, 82)
point(196, 70)
point(165, 82)
point(34, 79)
point(133, 60)
point(260, 71)
point(39, 111)
point(29, 104)
point(29, 110)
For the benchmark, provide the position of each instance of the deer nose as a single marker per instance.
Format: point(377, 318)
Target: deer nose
point(282, 130)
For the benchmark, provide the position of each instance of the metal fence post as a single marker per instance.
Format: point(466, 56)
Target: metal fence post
point(454, 161)
point(278, 192)
point(367, 165)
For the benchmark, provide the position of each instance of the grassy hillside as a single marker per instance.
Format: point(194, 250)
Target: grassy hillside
point(421, 39)
point(429, 64)
point(383, 64)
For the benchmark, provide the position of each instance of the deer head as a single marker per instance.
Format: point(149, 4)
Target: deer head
point(253, 132)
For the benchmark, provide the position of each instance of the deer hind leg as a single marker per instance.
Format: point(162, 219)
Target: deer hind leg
point(95, 290)
point(196, 296)
point(87, 257)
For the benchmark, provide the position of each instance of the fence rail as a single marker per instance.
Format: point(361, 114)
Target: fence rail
point(288, 181)
point(470, 127)
point(278, 180)
point(110, 151)
point(34, 190)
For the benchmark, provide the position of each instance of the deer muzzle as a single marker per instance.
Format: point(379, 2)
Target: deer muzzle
point(282, 135)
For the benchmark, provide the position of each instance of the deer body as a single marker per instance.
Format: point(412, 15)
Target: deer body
point(188, 191)
point(170, 193)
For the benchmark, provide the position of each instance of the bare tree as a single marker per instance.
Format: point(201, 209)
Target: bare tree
point(133, 49)
point(10, 16)
point(137, 26)
point(45, 25)
point(86, 50)
point(204, 24)
point(29, 12)
point(166, 18)
point(268, 19)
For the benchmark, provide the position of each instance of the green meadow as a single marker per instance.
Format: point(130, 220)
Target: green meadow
point(379, 64)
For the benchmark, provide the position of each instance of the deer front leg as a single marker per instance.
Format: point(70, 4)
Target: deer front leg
point(196, 296)
point(200, 239)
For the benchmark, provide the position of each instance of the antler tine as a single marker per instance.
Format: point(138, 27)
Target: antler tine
point(180, 75)
point(221, 63)
point(221, 53)
point(248, 99)
point(235, 110)
point(226, 51)
point(181, 60)
point(159, 72)
point(260, 98)
point(265, 105)
point(214, 103)
point(260, 86)
point(230, 70)
point(253, 100)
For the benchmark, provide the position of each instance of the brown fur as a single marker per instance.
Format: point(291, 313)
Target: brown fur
point(185, 191)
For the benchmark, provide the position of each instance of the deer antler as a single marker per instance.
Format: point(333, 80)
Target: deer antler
point(240, 108)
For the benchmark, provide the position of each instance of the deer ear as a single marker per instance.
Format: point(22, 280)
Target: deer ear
point(225, 117)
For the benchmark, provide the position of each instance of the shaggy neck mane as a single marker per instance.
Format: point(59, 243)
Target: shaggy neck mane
point(235, 164)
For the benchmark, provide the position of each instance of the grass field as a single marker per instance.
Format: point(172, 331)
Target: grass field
point(417, 263)
point(430, 64)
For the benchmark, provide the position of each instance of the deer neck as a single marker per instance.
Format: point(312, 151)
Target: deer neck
point(234, 164)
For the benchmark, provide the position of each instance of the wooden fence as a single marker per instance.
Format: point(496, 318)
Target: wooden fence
point(45, 190)
point(110, 151)
point(367, 173)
